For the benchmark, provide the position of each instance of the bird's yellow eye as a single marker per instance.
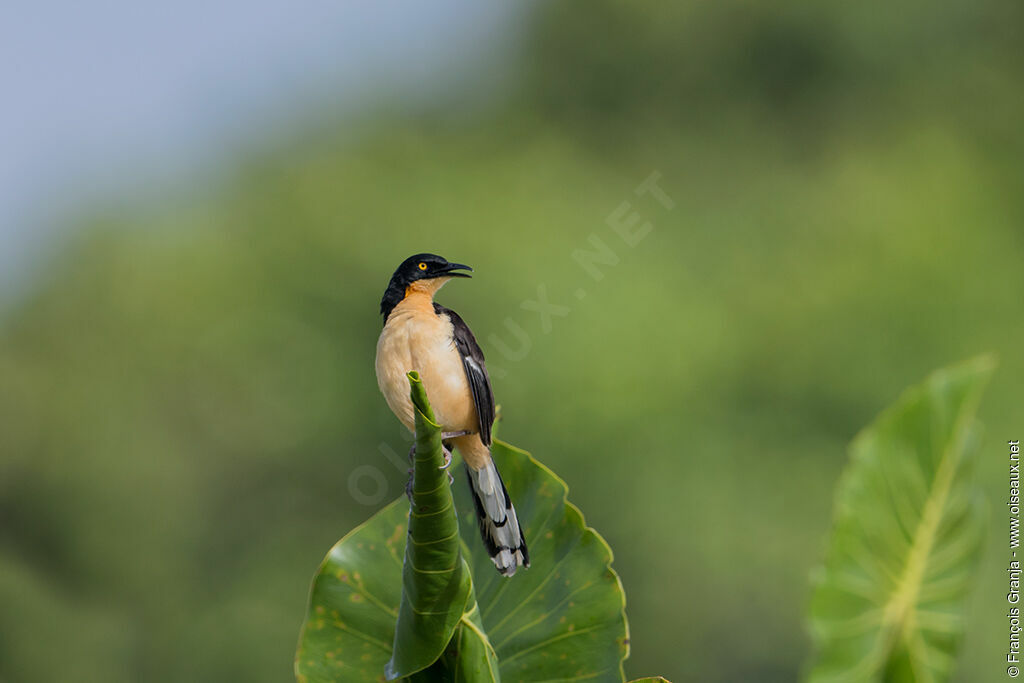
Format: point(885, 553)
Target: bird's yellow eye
point(422, 266)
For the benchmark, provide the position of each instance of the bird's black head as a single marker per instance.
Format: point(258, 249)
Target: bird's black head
point(426, 267)
point(415, 268)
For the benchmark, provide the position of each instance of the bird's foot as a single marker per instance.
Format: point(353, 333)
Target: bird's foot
point(447, 460)
point(452, 435)
point(408, 487)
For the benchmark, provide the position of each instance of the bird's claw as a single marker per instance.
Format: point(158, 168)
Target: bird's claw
point(447, 459)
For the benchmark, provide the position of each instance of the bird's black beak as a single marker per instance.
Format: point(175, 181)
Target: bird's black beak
point(452, 267)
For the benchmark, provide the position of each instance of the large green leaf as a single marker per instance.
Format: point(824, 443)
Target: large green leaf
point(353, 606)
point(562, 619)
point(888, 605)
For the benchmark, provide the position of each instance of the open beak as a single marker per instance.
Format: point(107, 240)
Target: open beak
point(452, 267)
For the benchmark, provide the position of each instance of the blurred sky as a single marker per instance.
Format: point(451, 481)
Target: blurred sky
point(107, 99)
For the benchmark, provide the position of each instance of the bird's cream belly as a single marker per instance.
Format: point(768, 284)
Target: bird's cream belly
point(421, 341)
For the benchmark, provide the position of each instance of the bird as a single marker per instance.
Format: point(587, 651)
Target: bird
point(422, 335)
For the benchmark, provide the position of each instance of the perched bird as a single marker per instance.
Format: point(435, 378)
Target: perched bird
point(426, 337)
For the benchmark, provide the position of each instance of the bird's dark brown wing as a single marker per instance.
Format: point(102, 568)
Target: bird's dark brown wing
point(476, 371)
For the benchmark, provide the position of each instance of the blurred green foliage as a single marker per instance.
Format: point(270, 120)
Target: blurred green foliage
point(188, 388)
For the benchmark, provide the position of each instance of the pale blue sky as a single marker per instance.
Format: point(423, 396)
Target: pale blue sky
point(107, 98)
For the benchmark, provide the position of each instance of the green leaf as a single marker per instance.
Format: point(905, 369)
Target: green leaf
point(562, 619)
point(353, 605)
point(888, 604)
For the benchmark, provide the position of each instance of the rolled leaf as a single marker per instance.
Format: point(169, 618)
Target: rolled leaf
point(469, 657)
point(435, 583)
point(909, 519)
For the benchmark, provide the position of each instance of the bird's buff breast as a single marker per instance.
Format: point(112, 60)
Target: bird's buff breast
point(415, 338)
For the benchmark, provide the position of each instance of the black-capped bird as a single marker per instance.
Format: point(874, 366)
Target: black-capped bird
point(426, 337)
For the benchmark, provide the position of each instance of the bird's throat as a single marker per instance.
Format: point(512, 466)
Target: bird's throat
point(418, 295)
point(426, 288)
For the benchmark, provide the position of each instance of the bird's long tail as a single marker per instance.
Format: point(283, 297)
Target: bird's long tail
point(499, 526)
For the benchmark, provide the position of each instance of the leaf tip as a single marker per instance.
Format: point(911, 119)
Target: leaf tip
point(981, 366)
point(985, 363)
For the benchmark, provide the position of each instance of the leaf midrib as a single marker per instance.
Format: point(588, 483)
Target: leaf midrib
point(897, 612)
